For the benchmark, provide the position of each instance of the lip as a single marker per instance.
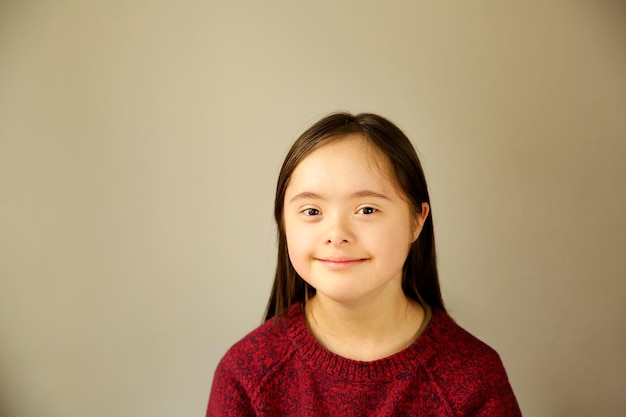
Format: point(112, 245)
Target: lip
point(340, 262)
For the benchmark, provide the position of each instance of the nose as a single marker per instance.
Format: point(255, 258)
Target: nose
point(339, 231)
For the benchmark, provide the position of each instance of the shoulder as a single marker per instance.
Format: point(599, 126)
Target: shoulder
point(259, 354)
point(259, 350)
point(459, 346)
point(240, 375)
point(468, 371)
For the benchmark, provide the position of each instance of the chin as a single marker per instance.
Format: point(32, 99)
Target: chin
point(343, 296)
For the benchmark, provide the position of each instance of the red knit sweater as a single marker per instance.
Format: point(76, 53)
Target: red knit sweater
point(283, 371)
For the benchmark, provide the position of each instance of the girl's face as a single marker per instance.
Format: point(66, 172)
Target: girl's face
point(348, 229)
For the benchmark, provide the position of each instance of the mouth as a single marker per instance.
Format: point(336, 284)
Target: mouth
point(338, 263)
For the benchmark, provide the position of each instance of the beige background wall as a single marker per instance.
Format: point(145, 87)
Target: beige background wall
point(140, 142)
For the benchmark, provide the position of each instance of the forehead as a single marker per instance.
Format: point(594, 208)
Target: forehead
point(342, 164)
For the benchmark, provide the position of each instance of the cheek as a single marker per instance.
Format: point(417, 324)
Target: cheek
point(298, 243)
point(299, 252)
point(394, 242)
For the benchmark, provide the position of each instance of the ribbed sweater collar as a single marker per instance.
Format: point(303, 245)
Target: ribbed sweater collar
point(407, 360)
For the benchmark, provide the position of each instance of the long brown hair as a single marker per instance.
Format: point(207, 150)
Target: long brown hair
point(420, 280)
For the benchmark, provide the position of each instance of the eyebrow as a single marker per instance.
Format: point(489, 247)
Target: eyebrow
point(357, 194)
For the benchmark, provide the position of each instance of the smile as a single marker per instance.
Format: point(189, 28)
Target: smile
point(340, 263)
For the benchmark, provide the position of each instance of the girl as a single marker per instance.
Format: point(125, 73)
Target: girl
point(355, 324)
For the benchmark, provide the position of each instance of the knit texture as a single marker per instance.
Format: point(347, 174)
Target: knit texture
point(280, 369)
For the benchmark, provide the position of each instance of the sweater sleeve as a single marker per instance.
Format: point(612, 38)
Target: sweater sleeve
point(228, 396)
point(501, 404)
point(498, 399)
point(472, 377)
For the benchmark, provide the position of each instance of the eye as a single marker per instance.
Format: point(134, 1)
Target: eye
point(310, 212)
point(367, 210)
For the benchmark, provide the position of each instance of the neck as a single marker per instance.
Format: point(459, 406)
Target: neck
point(364, 332)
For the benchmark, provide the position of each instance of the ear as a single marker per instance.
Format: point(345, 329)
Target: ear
point(419, 220)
